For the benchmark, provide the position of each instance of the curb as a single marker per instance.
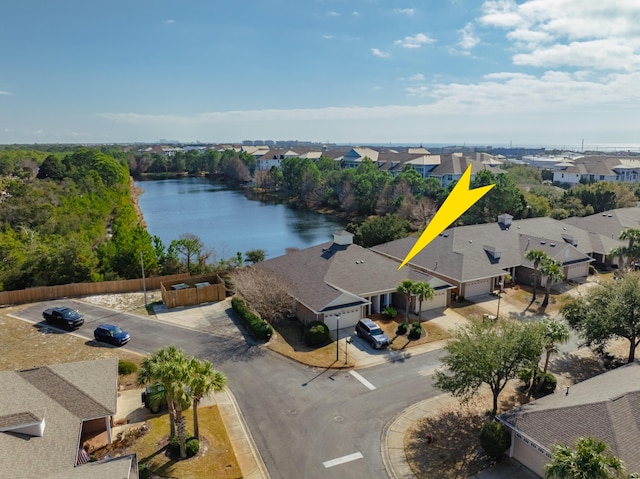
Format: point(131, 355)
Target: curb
point(260, 470)
point(393, 433)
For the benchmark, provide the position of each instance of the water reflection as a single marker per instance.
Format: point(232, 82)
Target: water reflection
point(230, 220)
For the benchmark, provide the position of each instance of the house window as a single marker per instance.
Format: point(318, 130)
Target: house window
point(601, 177)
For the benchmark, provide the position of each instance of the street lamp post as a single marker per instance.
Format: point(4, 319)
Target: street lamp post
point(144, 283)
point(500, 284)
point(337, 337)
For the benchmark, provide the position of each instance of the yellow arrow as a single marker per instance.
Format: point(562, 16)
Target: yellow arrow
point(458, 201)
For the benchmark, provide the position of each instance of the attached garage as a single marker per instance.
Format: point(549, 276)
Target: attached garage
point(439, 300)
point(528, 454)
point(348, 317)
point(477, 288)
point(580, 270)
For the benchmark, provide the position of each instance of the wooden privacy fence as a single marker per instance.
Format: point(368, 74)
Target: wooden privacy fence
point(74, 290)
point(196, 290)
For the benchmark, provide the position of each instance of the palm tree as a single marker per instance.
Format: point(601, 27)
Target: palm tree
point(633, 236)
point(424, 292)
point(536, 256)
point(619, 252)
point(552, 270)
point(554, 333)
point(588, 461)
point(204, 379)
point(406, 288)
point(169, 367)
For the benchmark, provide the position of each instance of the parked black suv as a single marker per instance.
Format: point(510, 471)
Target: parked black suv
point(370, 331)
point(62, 316)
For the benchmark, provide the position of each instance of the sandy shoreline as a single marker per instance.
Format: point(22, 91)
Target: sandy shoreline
point(135, 195)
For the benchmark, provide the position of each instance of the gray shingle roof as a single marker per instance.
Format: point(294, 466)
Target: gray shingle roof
point(464, 253)
point(63, 395)
point(606, 406)
point(321, 274)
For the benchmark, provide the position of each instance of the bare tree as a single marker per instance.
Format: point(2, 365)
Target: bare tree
point(264, 291)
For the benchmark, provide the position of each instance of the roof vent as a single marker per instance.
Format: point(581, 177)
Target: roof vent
point(446, 235)
point(609, 216)
point(543, 242)
point(470, 241)
point(553, 245)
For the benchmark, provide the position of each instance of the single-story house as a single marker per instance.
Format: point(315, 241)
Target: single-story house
point(47, 412)
point(607, 226)
point(342, 280)
point(476, 258)
point(606, 407)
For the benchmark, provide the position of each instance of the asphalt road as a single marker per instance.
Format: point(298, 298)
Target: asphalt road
point(307, 422)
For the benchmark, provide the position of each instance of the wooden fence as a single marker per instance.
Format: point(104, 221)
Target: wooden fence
point(195, 290)
point(44, 293)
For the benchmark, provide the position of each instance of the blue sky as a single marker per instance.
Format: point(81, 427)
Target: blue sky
point(499, 72)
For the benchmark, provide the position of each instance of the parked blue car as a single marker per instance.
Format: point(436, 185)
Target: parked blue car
point(108, 333)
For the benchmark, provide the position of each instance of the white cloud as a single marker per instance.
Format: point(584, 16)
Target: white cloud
point(406, 11)
point(379, 53)
point(355, 14)
point(606, 54)
point(328, 37)
point(468, 38)
point(169, 22)
point(2, 92)
point(591, 34)
point(417, 77)
point(333, 14)
point(415, 41)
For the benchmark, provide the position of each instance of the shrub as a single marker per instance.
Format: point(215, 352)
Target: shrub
point(174, 444)
point(193, 446)
point(126, 367)
point(259, 328)
point(549, 382)
point(390, 312)
point(316, 333)
point(416, 331)
point(494, 439)
point(143, 471)
point(402, 329)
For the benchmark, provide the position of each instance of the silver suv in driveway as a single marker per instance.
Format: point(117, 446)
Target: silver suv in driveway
point(370, 331)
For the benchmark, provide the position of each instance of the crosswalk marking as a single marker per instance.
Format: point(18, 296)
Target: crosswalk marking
point(362, 380)
point(342, 460)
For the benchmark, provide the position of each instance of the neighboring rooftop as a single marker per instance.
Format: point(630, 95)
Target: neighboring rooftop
point(42, 411)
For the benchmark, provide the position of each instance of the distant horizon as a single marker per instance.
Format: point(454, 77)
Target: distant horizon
point(564, 147)
point(530, 73)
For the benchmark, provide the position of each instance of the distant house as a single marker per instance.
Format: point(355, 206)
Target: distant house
point(453, 166)
point(341, 279)
point(476, 258)
point(606, 406)
point(598, 168)
point(45, 415)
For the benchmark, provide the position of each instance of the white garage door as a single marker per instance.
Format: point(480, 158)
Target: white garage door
point(476, 288)
point(578, 270)
point(348, 317)
point(527, 454)
point(439, 300)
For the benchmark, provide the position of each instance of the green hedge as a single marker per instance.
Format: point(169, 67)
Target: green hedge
point(416, 331)
point(316, 333)
point(258, 327)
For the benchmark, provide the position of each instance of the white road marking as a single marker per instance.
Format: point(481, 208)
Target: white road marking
point(342, 460)
point(362, 380)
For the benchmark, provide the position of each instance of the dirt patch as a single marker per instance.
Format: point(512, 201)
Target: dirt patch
point(27, 346)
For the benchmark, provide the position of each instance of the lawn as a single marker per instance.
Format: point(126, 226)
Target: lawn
point(215, 459)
